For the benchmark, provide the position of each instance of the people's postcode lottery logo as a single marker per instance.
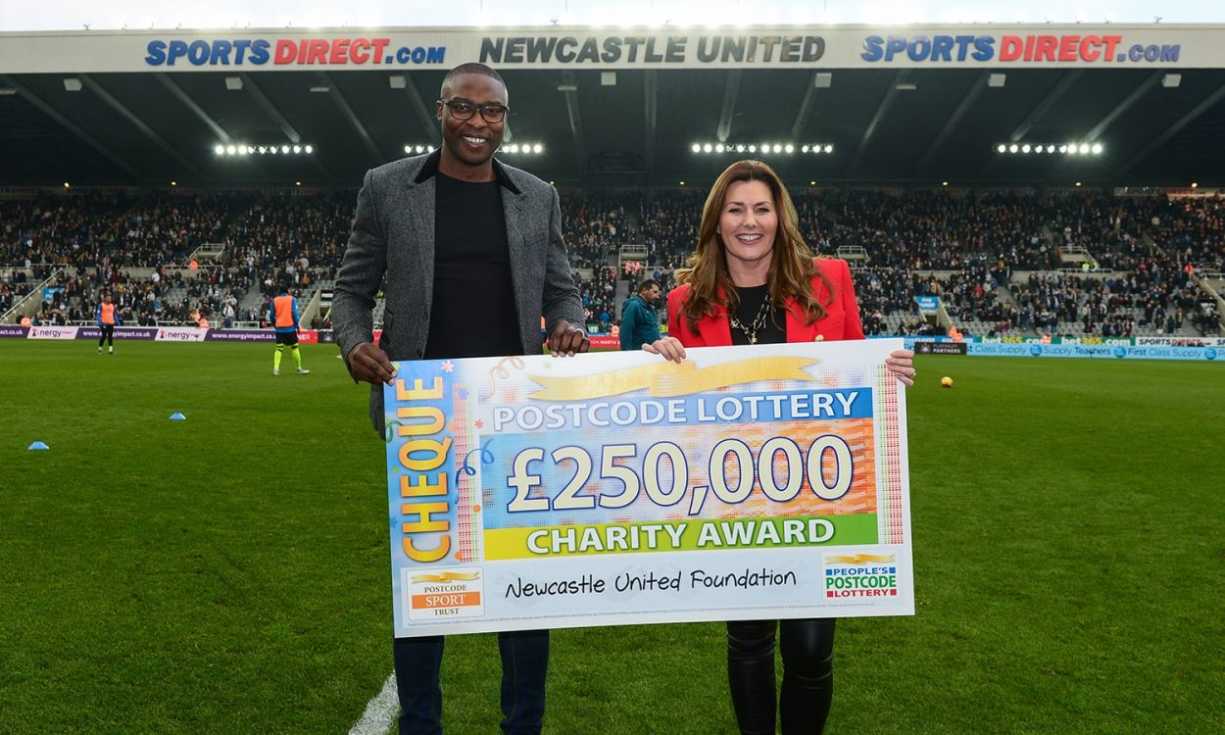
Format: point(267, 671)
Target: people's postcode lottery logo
point(860, 575)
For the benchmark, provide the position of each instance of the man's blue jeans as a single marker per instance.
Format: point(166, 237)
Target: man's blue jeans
point(525, 664)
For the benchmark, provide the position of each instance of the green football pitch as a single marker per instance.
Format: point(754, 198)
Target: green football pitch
point(229, 573)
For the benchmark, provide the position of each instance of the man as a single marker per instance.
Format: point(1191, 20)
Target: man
point(639, 322)
point(107, 317)
point(283, 313)
point(473, 257)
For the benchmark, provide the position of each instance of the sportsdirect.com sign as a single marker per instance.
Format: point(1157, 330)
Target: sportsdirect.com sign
point(817, 47)
point(1043, 48)
point(289, 52)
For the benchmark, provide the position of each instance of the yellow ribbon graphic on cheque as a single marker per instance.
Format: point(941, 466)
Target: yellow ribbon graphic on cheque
point(859, 558)
point(446, 577)
point(667, 379)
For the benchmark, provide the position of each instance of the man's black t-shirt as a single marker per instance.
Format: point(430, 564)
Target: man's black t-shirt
point(473, 312)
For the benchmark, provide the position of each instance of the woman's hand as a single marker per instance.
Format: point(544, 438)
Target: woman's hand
point(669, 347)
point(901, 364)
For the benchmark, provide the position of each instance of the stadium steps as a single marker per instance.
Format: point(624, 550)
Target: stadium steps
point(252, 299)
point(1004, 294)
point(1210, 287)
point(622, 293)
point(29, 303)
point(1204, 286)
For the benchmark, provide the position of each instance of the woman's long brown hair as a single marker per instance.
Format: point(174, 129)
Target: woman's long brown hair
point(791, 265)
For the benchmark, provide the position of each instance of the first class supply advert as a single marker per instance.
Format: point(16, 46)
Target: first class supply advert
point(745, 483)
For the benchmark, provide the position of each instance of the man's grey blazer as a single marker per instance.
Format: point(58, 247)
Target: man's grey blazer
point(393, 239)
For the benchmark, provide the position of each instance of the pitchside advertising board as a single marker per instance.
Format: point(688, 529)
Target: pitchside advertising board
point(163, 334)
point(1182, 349)
point(618, 488)
point(925, 347)
point(844, 47)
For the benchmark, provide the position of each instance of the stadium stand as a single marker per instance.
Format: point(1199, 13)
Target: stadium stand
point(1078, 264)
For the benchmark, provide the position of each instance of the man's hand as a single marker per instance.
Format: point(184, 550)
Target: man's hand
point(370, 364)
point(567, 339)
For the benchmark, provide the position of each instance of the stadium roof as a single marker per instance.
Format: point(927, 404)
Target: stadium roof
point(53, 15)
point(113, 117)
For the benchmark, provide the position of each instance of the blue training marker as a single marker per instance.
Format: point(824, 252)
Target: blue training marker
point(178, 416)
point(38, 447)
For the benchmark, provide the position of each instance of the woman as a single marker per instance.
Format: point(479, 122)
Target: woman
point(753, 280)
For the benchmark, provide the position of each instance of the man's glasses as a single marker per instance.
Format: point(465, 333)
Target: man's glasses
point(462, 109)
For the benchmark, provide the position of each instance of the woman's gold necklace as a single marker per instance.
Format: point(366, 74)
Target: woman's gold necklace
point(759, 321)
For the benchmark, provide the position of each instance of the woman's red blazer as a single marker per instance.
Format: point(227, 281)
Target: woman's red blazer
point(841, 316)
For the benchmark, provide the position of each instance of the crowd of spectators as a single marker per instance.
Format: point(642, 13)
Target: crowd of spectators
point(14, 283)
point(289, 240)
point(670, 226)
point(973, 241)
point(922, 230)
point(144, 230)
point(1156, 296)
point(598, 294)
point(594, 227)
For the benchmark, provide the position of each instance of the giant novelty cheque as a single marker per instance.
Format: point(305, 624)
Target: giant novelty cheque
point(616, 488)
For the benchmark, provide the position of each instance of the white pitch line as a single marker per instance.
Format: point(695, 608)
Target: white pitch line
point(380, 712)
